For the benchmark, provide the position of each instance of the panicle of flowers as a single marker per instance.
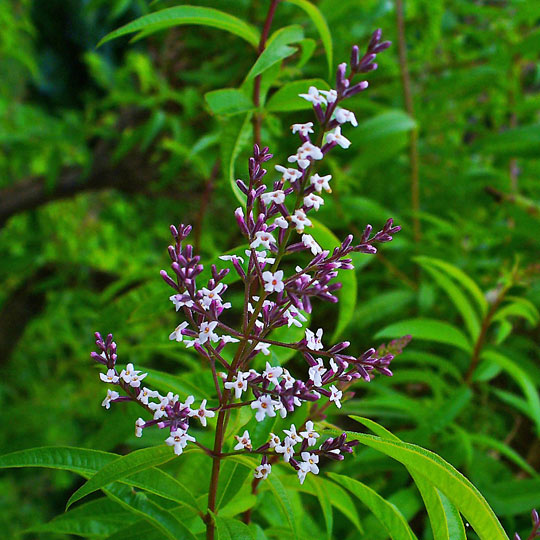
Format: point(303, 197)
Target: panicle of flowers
point(275, 221)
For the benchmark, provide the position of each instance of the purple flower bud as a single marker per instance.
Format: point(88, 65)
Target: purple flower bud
point(356, 89)
point(168, 280)
point(355, 55)
point(375, 38)
point(242, 186)
point(381, 47)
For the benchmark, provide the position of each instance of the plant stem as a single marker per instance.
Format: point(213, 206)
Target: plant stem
point(409, 107)
point(257, 119)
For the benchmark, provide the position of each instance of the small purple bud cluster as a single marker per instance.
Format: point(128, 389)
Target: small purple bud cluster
point(535, 532)
point(269, 220)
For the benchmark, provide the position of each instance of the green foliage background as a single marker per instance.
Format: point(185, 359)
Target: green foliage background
point(102, 149)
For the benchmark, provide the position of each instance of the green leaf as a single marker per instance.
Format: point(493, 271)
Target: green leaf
point(180, 15)
point(522, 379)
point(87, 462)
point(347, 294)
point(388, 515)
point(461, 277)
point(429, 330)
point(383, 125)
point(325, 502)
point(228, 101)
point(235, 135)
point(124, 466)
point(286, 98)
point(521, 141)
point(467, 499)
point(277, 48)
point(283, 501)
point(457, 297)
point(232, 529)
point(231, 478)
point(322, 27)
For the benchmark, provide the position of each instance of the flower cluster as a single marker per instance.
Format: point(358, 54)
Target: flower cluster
point(275, 221)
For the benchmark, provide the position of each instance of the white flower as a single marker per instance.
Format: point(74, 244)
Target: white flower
point(210, 295)
point(207, 332)
point(178, 440)
point(228, 339)
point(321, 182)
point(300, 220)
point(273, 281)
point(139, 423)
point(274, 440)
point(311, 460)
point(177, 334)
point(109, 377)
point(310, 434)
point(262, 238)
point(314, 201)
point(132, 377)
point(273, 196)
point(306, 151)
point(287, 450)
point(292, 436)
point(239, 385)
point(302, 471)
point(291, 315)
point(261, 257)
point(272, 373)
point(303, 129)
point(313, 96)
point(281, 222)
point(136, 379)
point(331, 95)
point(336, 396)
point(243, 442)
point(310, 243)
point(264, 406)
point(201, 413)
point(159, 408)
point(314, 341)
point(290, 174)
point(145, 394)
point(263, 347)
point(111, 394)
point(343, 115)
point(316, 372)
point(262, 471)
point(231, 258)
point(337, 137)
point(176, 299)
point(288, 378)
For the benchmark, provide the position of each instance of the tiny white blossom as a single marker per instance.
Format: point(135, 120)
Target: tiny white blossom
point(263, 347)
point(321, 182)
point(294, 317)
point(337, 137)
point(207, 332)
point(273, 196)
point(109, 377)
point(201, 413)
point(239, 385)
point(314, 341)
point(288, 173)
point(331, 95)
point(300, 220)
point(313, 96)
point(211, 295)
point(306, 151)
point(281, 222)
point(231, 258)
point(310, 243)
point(131, 376)
point(176, 299)
point(145, 394)
point(313, 201)
point(243, 442)
point(261, 257)
point(178, 440)
point(288, 378)
point(228, 339)
point(302, 471)
point(316, 372)
point(139, 423)
point(136, 379)
point(274, 440)
point(292, 436)
point(264, 406)
point(287, 450)
point(177, 334)
point(336, 396)
point(343, 115)
point(310, 434)
point(272, 373)
point(303, 129)
point(111, 394)
point(262, 471)
point(311, 460)
point(273, 281)
point(262, 238)
point(159, 408)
